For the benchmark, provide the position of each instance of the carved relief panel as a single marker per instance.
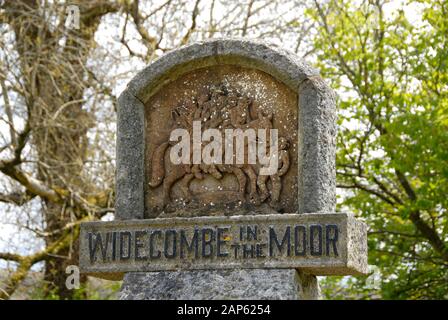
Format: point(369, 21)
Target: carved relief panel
point(223, 97)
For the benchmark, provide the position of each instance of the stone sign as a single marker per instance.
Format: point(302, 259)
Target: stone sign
point(225, 179)
point(317, 243)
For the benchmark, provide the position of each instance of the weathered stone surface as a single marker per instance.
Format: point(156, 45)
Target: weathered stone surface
point(316, 243)
point(317, 147)
point(130, 158)
point(315, 127)
point(280, 63)
point(220, 284)
point(220, 98)
point(311, 190)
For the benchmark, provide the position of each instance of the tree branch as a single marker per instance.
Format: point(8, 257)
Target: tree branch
point(17, 198)
point(149, 41)
point(26, 262)
point(194, 15)
point(8, 111)
point(356, 185)
point(10, 256)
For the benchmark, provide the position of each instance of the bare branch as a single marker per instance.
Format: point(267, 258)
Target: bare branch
point(26, 262)
point(194, 15)
point(10, 256)
point(248, 15)
point(356, 185)
point(149, 41)
point(8, 111)
point(17, 198)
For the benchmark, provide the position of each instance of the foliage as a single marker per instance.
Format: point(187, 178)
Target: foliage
point(392, 161)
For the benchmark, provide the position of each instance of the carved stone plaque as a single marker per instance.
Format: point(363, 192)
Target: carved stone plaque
point(220, 97)
point(321, 244)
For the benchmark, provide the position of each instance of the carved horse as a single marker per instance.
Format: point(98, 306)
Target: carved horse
point(168, 173)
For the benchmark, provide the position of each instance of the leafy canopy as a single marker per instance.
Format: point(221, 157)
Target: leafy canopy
point(392, 162)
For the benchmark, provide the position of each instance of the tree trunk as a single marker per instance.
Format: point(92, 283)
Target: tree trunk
point(53, 68)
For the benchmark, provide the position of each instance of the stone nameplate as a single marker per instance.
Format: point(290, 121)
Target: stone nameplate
point(320, 244)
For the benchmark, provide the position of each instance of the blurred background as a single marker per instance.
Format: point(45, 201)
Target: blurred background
point(64, 63)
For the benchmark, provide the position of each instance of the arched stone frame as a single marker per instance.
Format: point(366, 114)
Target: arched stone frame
point(316, 120)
